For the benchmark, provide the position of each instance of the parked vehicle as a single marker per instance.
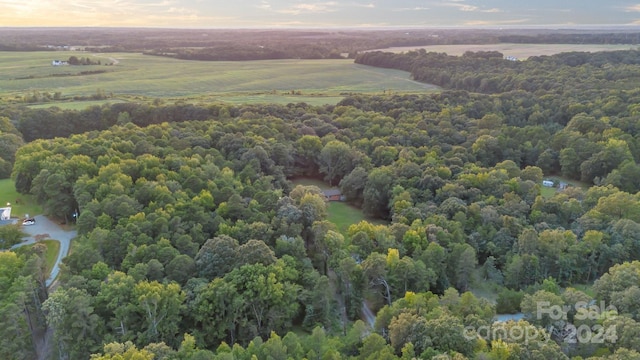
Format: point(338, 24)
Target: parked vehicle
point(30, 221)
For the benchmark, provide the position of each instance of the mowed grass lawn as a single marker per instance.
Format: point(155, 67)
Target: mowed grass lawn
point(340, 213)
point(344, 215)
point(548, 192)
point(152, 76)
point(25, 205)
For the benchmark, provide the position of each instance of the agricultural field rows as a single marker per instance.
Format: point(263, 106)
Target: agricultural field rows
point(249, 81)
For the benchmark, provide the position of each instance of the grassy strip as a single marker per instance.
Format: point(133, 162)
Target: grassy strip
point(53, 248)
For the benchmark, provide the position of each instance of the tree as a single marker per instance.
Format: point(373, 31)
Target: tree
point(620, 284)
point(377, 192)
point(217, 257)
point(160, 307)
point(218, 309)
point(523, 347)
point(447, 334)
point(376, 271)
point(320, 307)
point(352, 186)
point(541, 308)
point(77, 328)
point(269, 298)
point(126, 351)
point(181, 269)
point(409, 328)
point(255, 252)
point(336, 161)
point(10, 235)
point(116, 298)
point(466, 264)
point(308, 149)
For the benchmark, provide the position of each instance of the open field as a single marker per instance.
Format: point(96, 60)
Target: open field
point(520, 51)
point(25, 205)
point(76, 105)
point(134, 74)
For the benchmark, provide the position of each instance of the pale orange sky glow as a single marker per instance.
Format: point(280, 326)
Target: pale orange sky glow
point(315, 13)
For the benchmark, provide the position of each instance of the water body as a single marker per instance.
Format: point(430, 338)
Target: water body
point(507, 317)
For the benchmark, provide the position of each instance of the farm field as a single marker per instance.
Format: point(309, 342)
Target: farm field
point(22, 73)
point(520, 51)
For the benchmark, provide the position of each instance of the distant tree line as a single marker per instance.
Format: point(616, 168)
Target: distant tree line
point(273, 44)
point(74, 60)
point(488, 72)
point(250, 52)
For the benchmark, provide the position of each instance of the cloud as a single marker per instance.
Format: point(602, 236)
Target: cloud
point(310, 8)
point(459, 4)
point(417, 8)
point(264, 5)
point(497, 22)
point(633, 8)
point(155, 13)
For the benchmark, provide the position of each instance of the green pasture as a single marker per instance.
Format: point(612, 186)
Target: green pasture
point(25, 205)
point(132, 74)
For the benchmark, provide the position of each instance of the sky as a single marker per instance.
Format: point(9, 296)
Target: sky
point(317, 13)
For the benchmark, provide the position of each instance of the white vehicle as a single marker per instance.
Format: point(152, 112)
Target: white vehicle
point(30, 221)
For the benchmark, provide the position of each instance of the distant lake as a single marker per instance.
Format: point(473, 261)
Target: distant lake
point(507, 317)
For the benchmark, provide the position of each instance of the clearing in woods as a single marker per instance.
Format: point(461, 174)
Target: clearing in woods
point(341, 214)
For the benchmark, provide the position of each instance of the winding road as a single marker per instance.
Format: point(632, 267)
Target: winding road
point(47, 229)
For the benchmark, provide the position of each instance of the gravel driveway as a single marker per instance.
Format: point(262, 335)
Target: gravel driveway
point(47, 229)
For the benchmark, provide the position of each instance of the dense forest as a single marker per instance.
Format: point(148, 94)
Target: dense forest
point(194, 244)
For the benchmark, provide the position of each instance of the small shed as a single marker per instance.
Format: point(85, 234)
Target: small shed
point(5, 213)
point(332, 195)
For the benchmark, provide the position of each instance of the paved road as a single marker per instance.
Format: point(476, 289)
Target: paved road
point(49, 230)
